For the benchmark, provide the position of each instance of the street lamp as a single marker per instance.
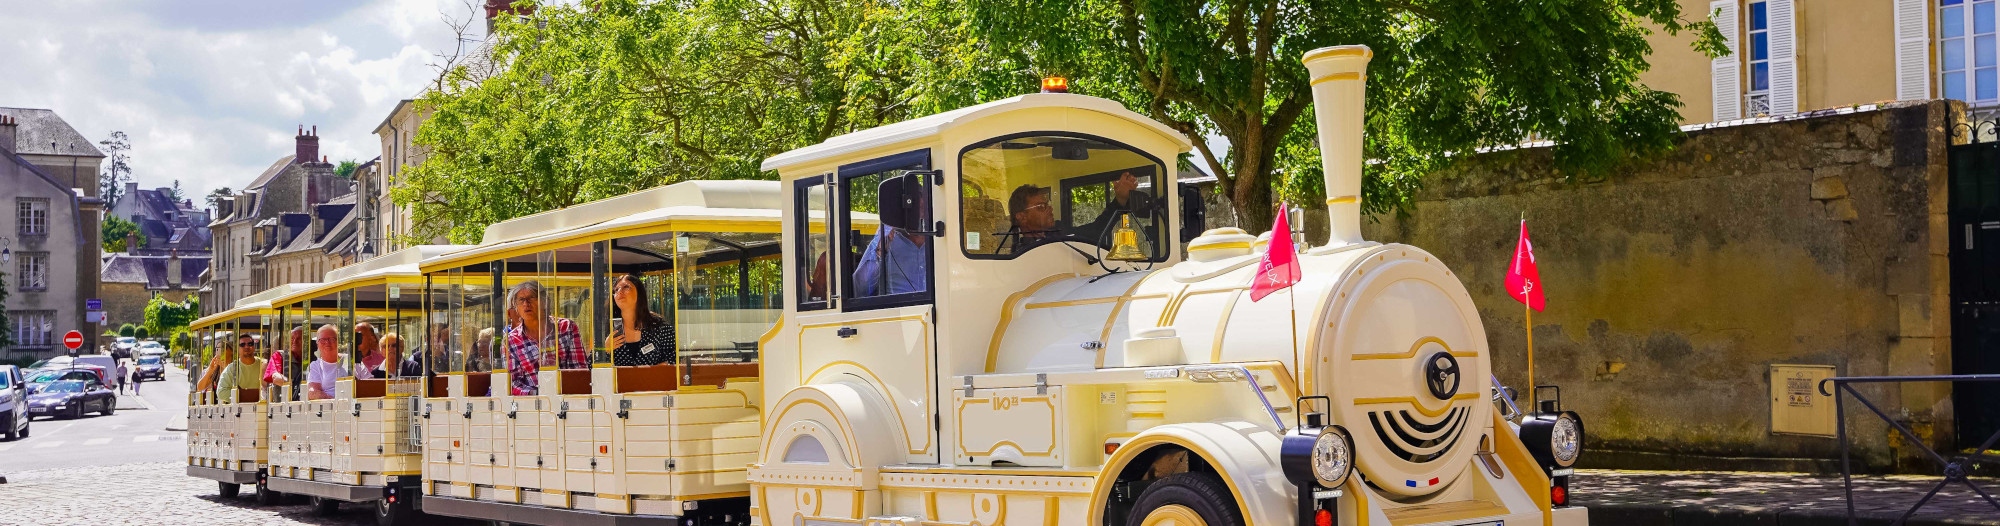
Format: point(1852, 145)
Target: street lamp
point(6, 249)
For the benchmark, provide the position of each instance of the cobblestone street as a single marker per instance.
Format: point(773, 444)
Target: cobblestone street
point(145, 494)
point(1710, 497)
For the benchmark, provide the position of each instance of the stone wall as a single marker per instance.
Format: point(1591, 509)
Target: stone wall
point(1675, 284)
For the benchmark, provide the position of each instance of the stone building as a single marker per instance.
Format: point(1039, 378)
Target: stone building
point(48, 237)
point(131, 280)
point(249, 225)
point(164, 223)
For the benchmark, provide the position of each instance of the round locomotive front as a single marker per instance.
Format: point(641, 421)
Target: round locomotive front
point(1403, 357)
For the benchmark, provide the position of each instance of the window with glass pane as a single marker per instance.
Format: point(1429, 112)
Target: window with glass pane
point(891, 266)
point(33, 271)
point(1759, 100)
point(726, 284)
point(814, 264)
point(32, 214)
point(1019, 193)
point(642, 325)
point(1969, 56)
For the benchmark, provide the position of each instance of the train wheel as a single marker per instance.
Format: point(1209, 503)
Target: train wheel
point(228, 489)
point(266, 497)
point(387, 514)
point(1185, 499)
point(325, 506)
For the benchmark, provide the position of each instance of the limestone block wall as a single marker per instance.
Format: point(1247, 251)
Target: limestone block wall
point(1674, 284)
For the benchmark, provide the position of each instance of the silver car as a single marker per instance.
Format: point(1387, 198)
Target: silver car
point(13, 403)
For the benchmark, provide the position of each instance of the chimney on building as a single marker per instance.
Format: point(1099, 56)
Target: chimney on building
point(132, 243)
point(308, 146)
point(7, 129)
point(494, 8)
point(174, 269)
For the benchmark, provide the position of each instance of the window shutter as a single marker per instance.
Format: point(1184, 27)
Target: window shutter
point(1725, 73)
point(1784, 62)
point(1913, 50)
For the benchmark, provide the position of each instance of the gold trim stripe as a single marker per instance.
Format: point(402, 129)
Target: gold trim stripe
point(1343, 199)
point(1219, 246)
point(1413, 351)
point(1352, 75)
point(1413, 403)
point(1342, 51)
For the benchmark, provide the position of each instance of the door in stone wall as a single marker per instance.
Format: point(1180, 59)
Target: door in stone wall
point(1975, 286)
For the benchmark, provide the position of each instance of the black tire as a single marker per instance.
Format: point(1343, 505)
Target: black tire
point(76, 413)
point(266, 497)
point(400, 513)
point(25, 427)
point(228, 489)
point(325, 506)
point(1200, 492)
point(110, 406)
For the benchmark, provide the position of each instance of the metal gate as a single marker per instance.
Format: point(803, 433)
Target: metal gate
point(1974, 216)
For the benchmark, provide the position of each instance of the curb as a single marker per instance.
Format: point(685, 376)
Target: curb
point(178, 423)
point(1669, 514)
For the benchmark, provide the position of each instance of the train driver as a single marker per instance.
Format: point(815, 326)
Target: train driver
point(525, 341)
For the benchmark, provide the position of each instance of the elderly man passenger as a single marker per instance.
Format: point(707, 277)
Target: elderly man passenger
point(320, 376)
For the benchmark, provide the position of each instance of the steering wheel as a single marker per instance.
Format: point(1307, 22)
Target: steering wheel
point(1441, 375)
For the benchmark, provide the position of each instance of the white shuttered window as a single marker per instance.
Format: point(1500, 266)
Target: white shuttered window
point(1913, 50)
point(1784, 86)
point(1725, 76)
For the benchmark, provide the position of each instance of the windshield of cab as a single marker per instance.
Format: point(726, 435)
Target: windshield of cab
point(1018, 193)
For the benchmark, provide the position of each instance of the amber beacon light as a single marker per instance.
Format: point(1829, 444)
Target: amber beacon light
point(1054, 84)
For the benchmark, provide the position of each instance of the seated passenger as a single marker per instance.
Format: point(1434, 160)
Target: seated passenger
point(240, 373)
point(642, 337)
point(368, 357)
point(480, 358)
point(274, 369)
point(320, 376)
point(525, 344)
point(392, 349)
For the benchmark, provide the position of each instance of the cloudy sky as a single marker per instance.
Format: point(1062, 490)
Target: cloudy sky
point(212, 91)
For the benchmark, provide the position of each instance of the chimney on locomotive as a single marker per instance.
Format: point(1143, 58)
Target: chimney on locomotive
point(1339, 82)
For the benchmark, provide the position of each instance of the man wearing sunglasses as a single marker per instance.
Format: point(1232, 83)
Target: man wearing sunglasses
point(241, 373)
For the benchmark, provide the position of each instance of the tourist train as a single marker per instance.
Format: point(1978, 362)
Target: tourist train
point(1001, 314)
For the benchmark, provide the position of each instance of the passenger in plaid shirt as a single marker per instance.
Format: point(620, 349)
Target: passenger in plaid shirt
point(524, 341)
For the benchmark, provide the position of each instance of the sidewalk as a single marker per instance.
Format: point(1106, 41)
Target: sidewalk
point(1643, 498)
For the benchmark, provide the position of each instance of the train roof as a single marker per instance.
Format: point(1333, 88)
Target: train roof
point(932, 125)
point(705, 206)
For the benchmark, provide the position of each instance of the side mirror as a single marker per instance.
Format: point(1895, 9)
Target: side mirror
point(1194, 212)
point(906, 202)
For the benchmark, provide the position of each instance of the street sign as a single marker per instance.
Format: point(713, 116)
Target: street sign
point(93, 304)
point(73, 340)
point(96, 316)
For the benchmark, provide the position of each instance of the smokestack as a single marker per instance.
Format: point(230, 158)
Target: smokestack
point(1339, 82)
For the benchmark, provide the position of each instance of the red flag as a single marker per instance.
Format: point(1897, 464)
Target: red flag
point(1524, 283)
point(1280, 267)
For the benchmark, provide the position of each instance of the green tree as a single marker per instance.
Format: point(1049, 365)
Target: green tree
point(176, 193)
point(117, 167)
point(346, 169)
point(6, 324)
point(583, 102)
point(1448, 77)
point(216, 196)
point(168, 317)
point(127, 330)
point(113, 231)
point(141, 333)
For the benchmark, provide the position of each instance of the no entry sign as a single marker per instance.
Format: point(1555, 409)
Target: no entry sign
point(73, 340)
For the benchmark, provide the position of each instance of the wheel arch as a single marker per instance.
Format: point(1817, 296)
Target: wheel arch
point(1243, 455)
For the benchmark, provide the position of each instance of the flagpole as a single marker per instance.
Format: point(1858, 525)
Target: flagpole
point(1528, 319)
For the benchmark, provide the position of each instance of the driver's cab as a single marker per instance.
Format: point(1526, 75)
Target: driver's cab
point(904, 242)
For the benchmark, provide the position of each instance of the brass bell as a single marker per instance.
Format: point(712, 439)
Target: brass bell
point(1125, 242)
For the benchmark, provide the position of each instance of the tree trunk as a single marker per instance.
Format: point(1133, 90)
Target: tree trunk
point(1251, 199)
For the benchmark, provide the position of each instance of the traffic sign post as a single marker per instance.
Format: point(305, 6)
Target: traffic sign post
point(73, 340)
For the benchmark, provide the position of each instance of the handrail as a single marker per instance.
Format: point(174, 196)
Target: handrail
point(1500, 394)
point(1952, 470)
point(1254, 387)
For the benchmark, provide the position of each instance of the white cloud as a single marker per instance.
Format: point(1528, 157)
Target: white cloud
point(212, 91)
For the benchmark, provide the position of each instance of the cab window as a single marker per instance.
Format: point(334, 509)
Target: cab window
point(886, 265)
point(814, 265)
point(1022, 192)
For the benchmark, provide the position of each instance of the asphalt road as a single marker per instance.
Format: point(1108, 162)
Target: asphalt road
point(128, 436)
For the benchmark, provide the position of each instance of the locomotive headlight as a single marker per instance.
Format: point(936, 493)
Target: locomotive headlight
point(1332, 457)
point(1323, 457)
point(1555, 439)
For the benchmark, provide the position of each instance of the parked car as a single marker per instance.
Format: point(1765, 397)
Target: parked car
point(89, 373)
point(152, 366)
point(13, 403)
point(58, 362)
point(125, 343)
point(108, 363)
point(70, 398)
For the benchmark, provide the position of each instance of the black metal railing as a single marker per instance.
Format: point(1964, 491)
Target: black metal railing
point(1954, 469)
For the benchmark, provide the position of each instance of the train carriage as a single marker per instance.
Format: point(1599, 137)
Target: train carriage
point(541, 417)
point(1025, 341)
point(226, 427)
point(357, 439)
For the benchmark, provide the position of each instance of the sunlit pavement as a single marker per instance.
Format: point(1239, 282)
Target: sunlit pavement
point(1711, 497)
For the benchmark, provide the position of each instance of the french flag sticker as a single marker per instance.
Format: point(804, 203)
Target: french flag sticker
point(1414, 484)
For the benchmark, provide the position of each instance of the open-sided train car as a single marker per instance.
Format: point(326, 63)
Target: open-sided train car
point(346, 433)
point(226, 427)
point(1025, 342)
point(538, 416)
